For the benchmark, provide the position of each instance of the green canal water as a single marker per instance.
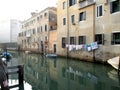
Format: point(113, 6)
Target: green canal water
point(41, 73)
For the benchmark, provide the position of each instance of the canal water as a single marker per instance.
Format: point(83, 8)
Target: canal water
point(43, 73)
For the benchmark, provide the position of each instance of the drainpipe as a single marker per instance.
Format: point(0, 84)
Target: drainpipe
point(94, 31)
point(67, 56)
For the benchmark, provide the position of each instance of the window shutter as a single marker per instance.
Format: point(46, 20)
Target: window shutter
point(84, 39)
point(111, 9)
point(74, 40)
point(112, 39)
point(97, 11)
point(103, 39)
point(84, 15)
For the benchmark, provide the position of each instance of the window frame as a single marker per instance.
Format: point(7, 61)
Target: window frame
point(113, 38)
point(45, 28)
point(99, 38)
point(64, 21)
point(99, 11)
point(72, 2)
point(73, 19)
point(82, 16)
point(64, 5)
point(112, 9)
point(63, 42)
point(83, 41)
point(72, 40)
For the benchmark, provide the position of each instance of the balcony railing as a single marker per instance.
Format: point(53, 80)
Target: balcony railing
point(85, 3)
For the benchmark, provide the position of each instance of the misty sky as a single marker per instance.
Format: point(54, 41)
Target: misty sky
point(20, 10)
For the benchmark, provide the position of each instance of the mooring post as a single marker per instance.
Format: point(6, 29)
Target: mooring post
point(119, 66)
point(21, 74)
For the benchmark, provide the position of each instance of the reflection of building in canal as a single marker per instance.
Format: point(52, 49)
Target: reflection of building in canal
point(57, 74)
point(75, 76)
point(36, 72)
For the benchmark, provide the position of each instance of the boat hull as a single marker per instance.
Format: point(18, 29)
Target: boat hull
point(114, 62)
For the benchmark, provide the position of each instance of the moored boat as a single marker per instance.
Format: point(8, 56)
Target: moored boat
point(51, 55)
point(114, 62)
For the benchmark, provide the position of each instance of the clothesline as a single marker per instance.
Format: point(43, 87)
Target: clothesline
point(88, 47)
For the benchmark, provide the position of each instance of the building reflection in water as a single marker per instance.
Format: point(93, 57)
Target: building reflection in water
point(61, 74)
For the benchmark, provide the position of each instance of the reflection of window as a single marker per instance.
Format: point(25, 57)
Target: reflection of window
point(81, 40)
point(115, 38)
point(72, 76)
point(99, 38)
point(63, 42)
point(99, 10)
point(72, 40)
point(63, 72)
point(81, 80)
point(55, 64)
point(115, 6)
point(82, 16)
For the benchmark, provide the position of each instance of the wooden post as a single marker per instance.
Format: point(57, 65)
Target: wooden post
point(119, 65)
point(21, 74)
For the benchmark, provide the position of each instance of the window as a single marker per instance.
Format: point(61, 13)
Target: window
point(99, 11)
point(72, 2)
point(51, 27)
point(45, 28)
point(46, 38)
point(81, 40)
point(64, 21)
point(82, 16)
point(114, 6)
point(45, 14)
point(73, 19)
point(72, 40)
point(41, 28)
point(38, 29)
point(38, 18)
point(63, 42)
point(99, 38)
point(34, 31)
point(115, 38)
point(64, 5)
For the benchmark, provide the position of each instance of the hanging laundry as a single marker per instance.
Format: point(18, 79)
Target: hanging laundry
point(77, 47)
point(94, 45)
point(84, 47)
point(80, 47)
point(70, 48)
point(73, 47)
point(89, 48)
point(67, 45)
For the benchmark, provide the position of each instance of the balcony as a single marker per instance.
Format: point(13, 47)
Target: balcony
point(85, 3)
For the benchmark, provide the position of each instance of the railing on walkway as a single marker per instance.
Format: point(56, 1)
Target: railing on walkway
point(17, 70)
